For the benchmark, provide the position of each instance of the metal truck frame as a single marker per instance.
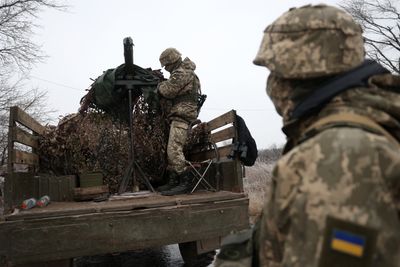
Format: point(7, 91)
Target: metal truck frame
point(54, 235)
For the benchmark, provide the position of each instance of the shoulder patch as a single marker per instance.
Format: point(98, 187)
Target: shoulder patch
point(347, 244)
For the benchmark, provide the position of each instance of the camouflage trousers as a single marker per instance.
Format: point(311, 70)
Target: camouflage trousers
point(176, 141)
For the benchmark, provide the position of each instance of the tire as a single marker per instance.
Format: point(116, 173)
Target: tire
point(191, 258)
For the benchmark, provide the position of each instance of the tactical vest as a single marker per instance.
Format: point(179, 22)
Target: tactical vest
point(194, 95)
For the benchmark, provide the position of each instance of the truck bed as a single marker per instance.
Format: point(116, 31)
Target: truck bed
point(64, 230)
point(138, 202)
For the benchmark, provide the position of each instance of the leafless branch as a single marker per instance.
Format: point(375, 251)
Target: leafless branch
point(19, 53)
point(380, 22)
point(17, 25)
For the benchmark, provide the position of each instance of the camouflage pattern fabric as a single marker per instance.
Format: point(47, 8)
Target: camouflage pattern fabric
point(169, 56)
point(304, 42)
point(176, 141)
point(381, 97)
point(348, 178)
point(346, 172)
point(352, 175)
point(182, 81)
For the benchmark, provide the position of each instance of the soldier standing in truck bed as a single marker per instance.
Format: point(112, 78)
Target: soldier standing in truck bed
point(336, 190)
point(181, 91)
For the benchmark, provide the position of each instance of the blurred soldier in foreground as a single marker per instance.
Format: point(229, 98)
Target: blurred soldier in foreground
point(181, 91)
point(335, 197)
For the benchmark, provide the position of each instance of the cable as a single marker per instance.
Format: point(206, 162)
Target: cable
point(55, 83)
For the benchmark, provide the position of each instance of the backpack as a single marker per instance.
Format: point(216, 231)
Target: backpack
point(245, 147)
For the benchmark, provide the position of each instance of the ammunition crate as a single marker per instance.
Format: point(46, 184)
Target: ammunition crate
point(89, 179)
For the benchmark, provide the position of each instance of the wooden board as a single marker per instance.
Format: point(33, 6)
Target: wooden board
point(23, 137)
point(89, 193)
point(107, 232)
point(223, 135)
point(222, 120)
point(154, 200)
point(22, 117)
point(81, 191)
point(23, 157)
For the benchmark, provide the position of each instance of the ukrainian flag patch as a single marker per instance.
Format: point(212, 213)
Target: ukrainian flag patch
point(348, 243)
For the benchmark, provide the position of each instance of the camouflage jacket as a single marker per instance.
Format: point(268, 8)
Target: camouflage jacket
point(181, 90)
point(347, 172)
point(348, 178)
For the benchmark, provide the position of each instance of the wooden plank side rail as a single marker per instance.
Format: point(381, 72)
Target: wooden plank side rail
point(22, 130)
point(22, 117)
point(26, 241)
point(22, 157)
point(226, 136)
point(16, 134)
point(23, 137)
point(222, 120)
point(223, 135)
point(226, 170)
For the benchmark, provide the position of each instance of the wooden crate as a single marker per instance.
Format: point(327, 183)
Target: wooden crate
point(89, 179)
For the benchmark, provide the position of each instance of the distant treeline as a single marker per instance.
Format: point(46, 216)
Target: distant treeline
point(269, 155)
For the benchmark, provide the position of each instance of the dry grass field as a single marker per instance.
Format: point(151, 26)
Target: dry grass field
point(257, 181)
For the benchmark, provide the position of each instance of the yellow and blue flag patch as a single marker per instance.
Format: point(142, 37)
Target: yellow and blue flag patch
point(348, 243)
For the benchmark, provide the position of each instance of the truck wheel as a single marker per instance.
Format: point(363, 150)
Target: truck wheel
point(191, 258)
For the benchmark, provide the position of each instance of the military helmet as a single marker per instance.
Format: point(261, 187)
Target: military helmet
point(311, 41)
point(169, 56)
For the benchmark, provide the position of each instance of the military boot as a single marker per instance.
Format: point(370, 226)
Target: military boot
point(183, 187)
point(172, 181)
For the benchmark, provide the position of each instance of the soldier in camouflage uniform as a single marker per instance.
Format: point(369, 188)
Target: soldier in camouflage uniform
point(181, 91)
point(335, 197)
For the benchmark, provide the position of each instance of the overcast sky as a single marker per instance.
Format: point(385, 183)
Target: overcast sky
point(221, 36)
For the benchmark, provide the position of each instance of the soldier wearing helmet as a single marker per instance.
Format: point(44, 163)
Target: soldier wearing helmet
point(181, 91)
point(335, 196)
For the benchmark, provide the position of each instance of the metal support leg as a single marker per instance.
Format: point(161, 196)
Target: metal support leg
point(200, 176)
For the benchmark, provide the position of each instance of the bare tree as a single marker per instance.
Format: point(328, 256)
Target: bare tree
point(18, 53)
point(17, 25)
point(270, 155)
point(380, 20)
point(13, 94)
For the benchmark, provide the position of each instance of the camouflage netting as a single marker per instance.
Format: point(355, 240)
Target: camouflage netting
point(94, 141)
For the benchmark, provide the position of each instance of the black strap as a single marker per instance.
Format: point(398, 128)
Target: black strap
point(353, 78)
